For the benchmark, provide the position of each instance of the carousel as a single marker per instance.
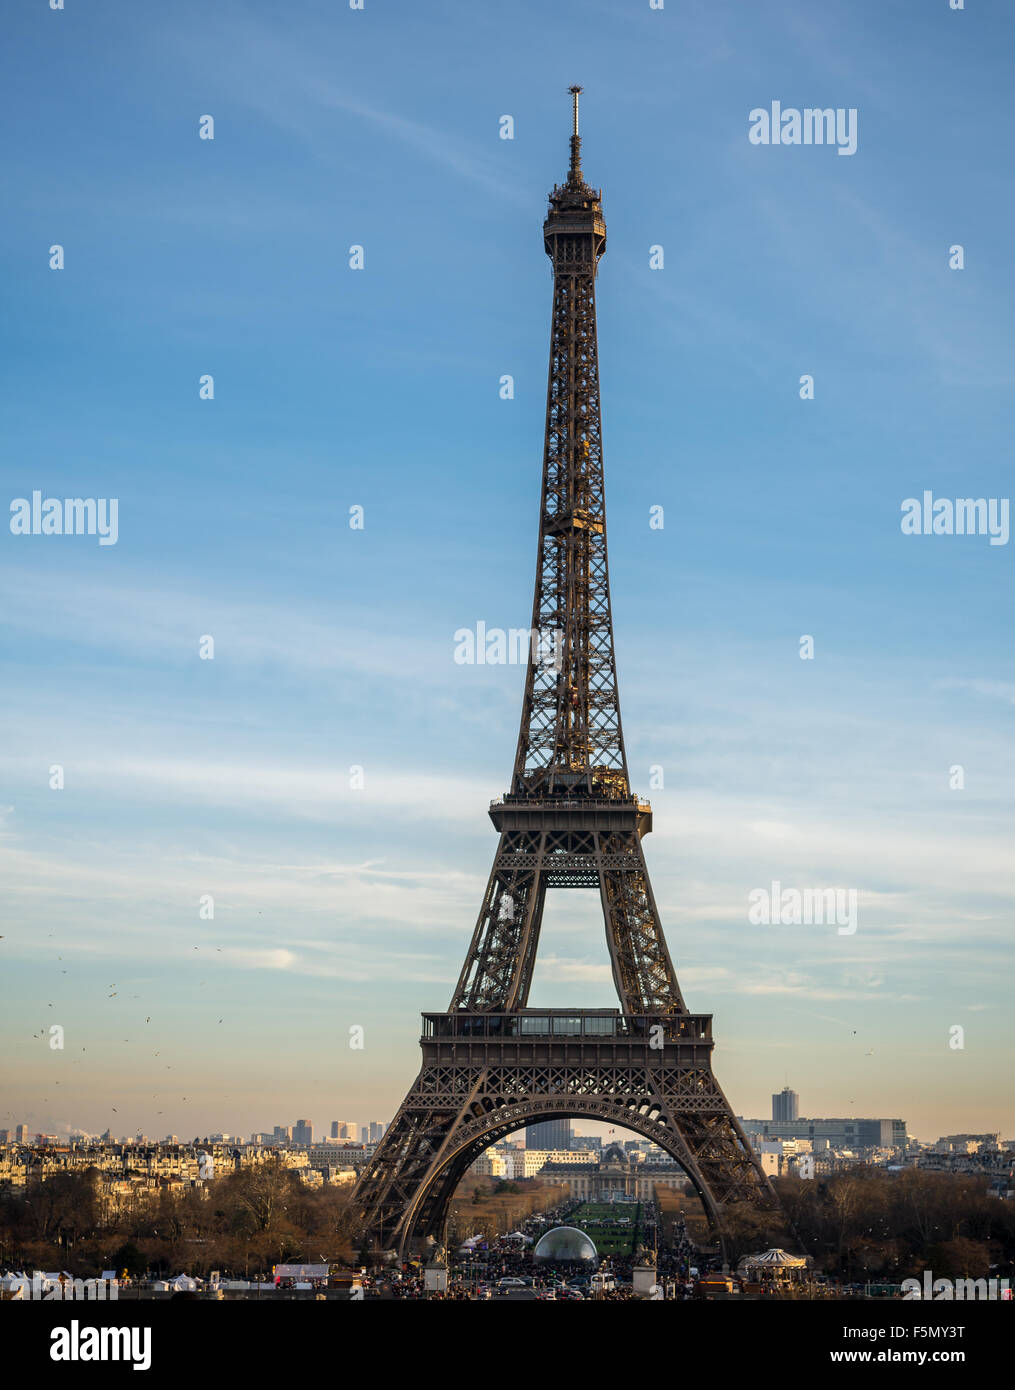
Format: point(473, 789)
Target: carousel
point(771, 1270)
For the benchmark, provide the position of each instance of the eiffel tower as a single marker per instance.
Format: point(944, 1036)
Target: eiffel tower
point(491, 1064)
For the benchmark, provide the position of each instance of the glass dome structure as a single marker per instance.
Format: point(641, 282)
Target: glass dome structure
point(566, 1243)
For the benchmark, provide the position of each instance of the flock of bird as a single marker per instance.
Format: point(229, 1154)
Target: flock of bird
point(114, 994)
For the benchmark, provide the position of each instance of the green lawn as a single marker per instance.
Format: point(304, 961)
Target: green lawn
point(608, 1240)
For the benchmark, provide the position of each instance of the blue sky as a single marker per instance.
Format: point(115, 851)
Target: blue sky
point(337, 906)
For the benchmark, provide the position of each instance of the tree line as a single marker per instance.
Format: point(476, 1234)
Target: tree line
point(866, 1224)
point(241, 1224)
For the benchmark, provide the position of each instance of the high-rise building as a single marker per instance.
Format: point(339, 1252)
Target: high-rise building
point(303, 1132)
point(343, 1129)
point(364, 1135)
point(21, 1134)
point(334, 1129)
point(282, 1134)
point(376, 1132)
point(786, 1105)
point(549, 1134)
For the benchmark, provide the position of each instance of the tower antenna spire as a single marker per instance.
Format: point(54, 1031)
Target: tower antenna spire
point(574, 175)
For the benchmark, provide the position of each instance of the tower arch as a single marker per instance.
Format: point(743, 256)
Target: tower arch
point(426, 1214)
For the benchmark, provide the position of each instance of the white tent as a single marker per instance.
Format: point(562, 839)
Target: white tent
point(183, 1282)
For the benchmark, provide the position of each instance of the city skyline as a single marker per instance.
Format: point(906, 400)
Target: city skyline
point(579, 1129)
point(324, 777)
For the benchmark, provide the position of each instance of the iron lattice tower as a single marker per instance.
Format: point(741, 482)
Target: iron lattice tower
point(570, 820)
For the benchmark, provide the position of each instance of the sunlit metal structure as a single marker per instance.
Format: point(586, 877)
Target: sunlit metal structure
point(570, 820)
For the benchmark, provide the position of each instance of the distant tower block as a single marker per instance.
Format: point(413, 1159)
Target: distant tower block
point(786, 1105)
point(552, 1134)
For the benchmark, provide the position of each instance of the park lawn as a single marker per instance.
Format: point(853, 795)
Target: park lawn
point(608, 1240)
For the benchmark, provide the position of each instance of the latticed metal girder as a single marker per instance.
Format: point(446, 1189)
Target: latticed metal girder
point(499, 966)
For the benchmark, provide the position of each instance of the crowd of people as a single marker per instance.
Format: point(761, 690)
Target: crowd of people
point(477, 1273)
